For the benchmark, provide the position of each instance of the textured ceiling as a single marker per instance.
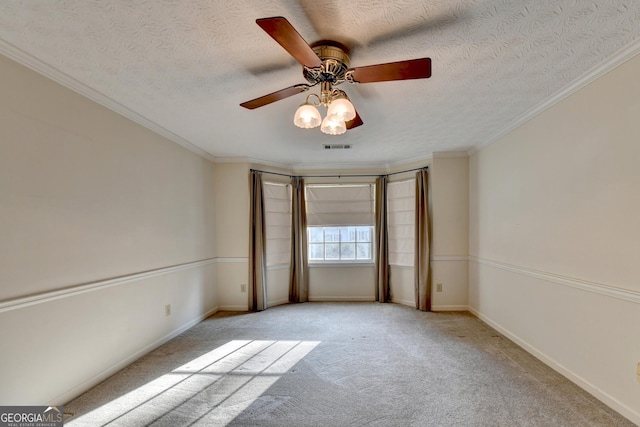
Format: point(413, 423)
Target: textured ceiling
point(182, 67)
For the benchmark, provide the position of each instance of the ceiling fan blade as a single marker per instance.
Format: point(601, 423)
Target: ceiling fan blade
point(283, 32)
point(401, 70)
point(275, 96)
point(355, 122)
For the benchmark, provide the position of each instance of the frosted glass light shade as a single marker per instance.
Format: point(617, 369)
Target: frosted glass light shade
point(333, 127)
point(307, 116)
point(341, 109)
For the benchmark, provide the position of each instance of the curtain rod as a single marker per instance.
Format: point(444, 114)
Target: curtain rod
point(340, 176)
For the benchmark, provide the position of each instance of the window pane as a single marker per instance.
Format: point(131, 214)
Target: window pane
point(316, 234)
point(316, 251)
point(345, 244)
point(348, 251)
point(332, 251)
point(364, 234)
point(347, 234)
point(332, 234)
point(364, 250)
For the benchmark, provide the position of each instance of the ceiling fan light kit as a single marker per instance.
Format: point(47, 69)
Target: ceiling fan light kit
point(339, 111)
point(307, 116)
point(326, 63)
point(333, 127)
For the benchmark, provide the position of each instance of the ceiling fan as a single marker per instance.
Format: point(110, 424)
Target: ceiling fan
point(326, 63)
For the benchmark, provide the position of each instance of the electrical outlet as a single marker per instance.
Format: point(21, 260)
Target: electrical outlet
point(167, 310)
point(243, 288)
point(439, 287)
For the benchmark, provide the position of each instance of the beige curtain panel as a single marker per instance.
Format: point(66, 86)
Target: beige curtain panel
point(299, 276)
point(257, 240)
point(422, 273)
point(382, 242)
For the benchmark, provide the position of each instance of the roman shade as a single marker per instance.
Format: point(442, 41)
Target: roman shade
point(345, 204)
point(277, 204)
point(401, 221)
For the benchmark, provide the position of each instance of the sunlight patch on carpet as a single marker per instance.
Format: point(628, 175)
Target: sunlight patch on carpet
point(211, 389)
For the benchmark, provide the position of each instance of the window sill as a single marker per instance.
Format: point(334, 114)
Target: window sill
point(340, 264)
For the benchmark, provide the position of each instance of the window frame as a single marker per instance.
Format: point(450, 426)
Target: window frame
point(340, 261)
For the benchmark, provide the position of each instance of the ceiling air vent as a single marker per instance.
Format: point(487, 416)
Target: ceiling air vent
point(337, 146)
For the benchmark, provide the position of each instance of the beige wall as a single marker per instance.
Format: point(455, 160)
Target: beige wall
point(449, 176)
point(232, 233)
point(103, 223)
point(342, 283)
point(402, 285)
point(277, 285)
point(554, 232)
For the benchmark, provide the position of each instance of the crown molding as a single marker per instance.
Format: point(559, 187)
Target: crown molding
point(252, 161)
point(587, 78)
point(337, 166)
point(316, 167)
point(450, 154)
point(71, 83)
point(387, 167)
point(269, 163)
point(232, 160)
point(417, 161)
point(305, 167)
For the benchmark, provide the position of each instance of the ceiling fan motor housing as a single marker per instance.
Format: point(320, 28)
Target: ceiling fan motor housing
point(335, 63)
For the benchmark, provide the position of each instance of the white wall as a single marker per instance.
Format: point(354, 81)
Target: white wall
point(449, 176)
point(554, 232)
point(103, 223)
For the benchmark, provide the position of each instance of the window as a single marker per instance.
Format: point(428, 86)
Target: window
point(401, 213)
point(340, 221)
point(277, 218)
point(335, 244)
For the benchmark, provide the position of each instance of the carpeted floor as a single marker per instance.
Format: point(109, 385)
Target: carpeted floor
point(339, 364)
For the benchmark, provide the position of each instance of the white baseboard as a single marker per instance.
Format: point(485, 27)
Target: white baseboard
point(92, 382)
point(403, 302)
point(341, 299)
point(552, 363)
point(233, 308)
point(449, 308)
point(278, 302)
